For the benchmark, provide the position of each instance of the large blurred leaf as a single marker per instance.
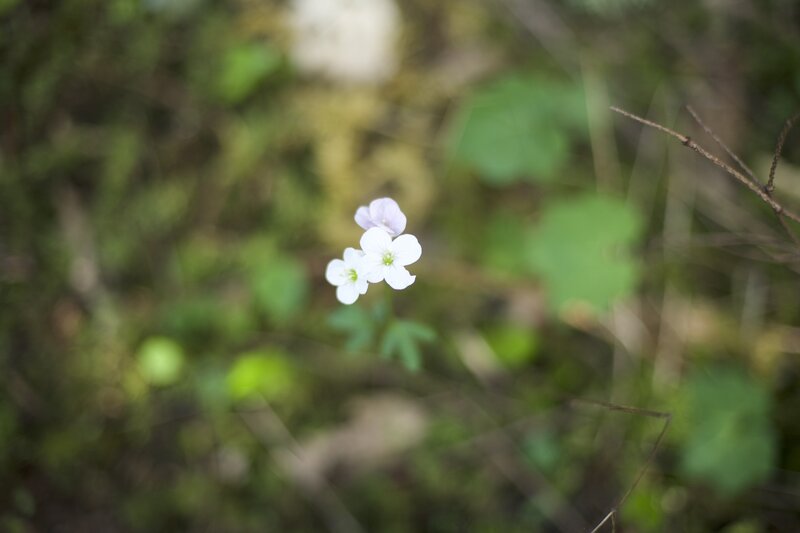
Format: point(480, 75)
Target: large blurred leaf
point(520, 126)
point(580, 249)
point(160, 360)
point(265, 372)
point(731, 441)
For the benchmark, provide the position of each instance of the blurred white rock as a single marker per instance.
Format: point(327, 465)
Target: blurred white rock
point(352, 42)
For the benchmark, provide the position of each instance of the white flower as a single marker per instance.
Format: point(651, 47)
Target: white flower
point(386, 259)
point(349, 41)
point(382, 213)
point(348, 276)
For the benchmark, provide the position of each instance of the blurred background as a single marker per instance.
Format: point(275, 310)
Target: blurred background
point(176, 174)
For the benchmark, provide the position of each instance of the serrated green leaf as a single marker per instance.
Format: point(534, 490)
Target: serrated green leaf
point(580, 249)
point(356, 323)
point(402, 339)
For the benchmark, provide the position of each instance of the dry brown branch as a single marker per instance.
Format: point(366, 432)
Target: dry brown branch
point(762, 193)
point(770, 187)
point(722, 145)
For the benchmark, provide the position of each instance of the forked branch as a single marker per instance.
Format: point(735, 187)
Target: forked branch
point(765, 193)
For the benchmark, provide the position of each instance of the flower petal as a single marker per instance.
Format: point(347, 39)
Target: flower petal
point(377, 208)
point(376, 241)
point(362, 217)
point(398, 277)
point(353, 257)
point(361, 285)
point(406, 249)
point(335, 272)
point(393, 219)
point(347, 293)
point(373, 269)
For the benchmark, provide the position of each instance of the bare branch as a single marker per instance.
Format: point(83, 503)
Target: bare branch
point(687, 141)
point(722, 144)
point(769, 188)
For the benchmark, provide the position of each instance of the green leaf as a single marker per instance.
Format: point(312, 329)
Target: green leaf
point(244, 68)
point(520, 126)
point(265, 372)
point(402, 339)
point(580, 250)
point(160, 360)
point(357, 323)
point(730, 442)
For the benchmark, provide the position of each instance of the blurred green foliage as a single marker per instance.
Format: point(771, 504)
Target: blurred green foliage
point(515, 346)
point(172, 184)
point(244, 68)
point(730, 441)
point(160, 361)
point(265, 373)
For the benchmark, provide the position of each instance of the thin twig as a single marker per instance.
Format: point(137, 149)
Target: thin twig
point(778, 149)
point(722, 144)
point(609, 516)
point(687, 141)
point(770, 187)
point(666, 417)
